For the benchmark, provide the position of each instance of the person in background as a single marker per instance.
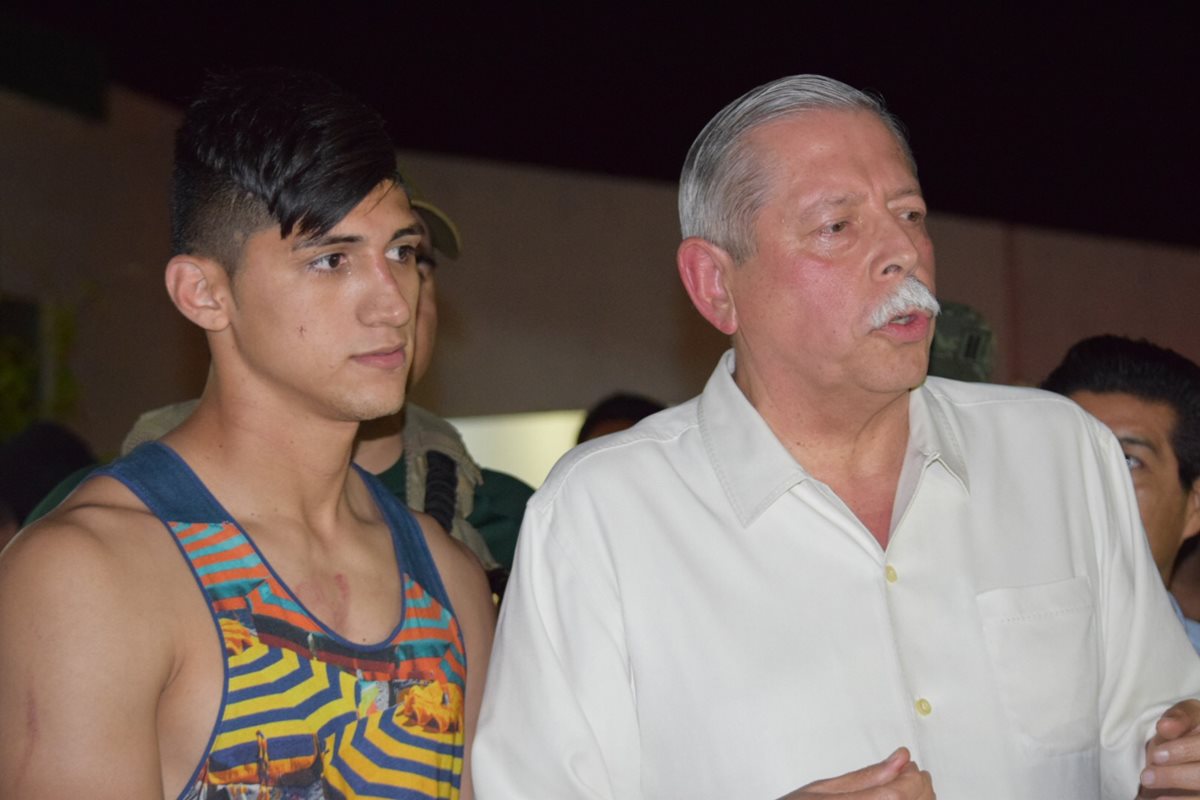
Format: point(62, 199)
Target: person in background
point(827, 564)
point(242, 610)
point(422, 458)
point(31, 463)
point(616, 413)
point(1149, 397)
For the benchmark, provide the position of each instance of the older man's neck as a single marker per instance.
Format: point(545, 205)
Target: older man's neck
point(857, 452)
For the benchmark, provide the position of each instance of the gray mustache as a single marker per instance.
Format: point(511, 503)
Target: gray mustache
point(910, 295)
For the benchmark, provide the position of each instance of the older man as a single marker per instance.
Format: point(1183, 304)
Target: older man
point(825, 558)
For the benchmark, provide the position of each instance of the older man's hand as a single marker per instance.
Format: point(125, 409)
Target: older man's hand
point(1173, 754)
point(897, 777)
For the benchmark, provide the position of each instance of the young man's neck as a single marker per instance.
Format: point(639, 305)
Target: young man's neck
point(380, 443)
point(268, 456)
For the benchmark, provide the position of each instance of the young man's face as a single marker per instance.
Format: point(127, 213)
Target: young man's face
point(1144, 430)
point(326, 323)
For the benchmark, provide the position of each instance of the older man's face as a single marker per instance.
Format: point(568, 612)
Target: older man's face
point(843, 226)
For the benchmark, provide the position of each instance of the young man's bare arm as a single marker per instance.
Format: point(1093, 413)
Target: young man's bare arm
point(471, 597)
point(83, 660)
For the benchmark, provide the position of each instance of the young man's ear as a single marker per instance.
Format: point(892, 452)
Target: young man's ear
point(199, 288)
point(704, 268)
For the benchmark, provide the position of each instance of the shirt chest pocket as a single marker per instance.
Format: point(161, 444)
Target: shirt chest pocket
point(1041, 642)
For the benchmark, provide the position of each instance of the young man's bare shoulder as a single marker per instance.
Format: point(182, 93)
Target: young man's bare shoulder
point(100, 541)
point(462, 574)
point(90, 601)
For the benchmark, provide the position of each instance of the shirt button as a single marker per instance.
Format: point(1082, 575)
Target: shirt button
point(923, 707)
point(890, 572)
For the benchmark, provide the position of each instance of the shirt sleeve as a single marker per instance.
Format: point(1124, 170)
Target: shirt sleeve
point(558, 718)
point(1148, 663)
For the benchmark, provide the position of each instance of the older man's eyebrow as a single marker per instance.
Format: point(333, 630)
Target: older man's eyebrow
point(831, 201)
point(907, 191)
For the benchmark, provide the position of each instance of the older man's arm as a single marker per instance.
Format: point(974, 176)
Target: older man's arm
point(558, 716)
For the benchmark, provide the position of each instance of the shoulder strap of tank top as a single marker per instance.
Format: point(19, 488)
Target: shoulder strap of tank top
point(169, 488)
point(166, 484)
point(409, 538)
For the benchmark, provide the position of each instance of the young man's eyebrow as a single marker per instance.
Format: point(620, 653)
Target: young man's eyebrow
point(330, 239)
point(324, 241)
point(411, 230)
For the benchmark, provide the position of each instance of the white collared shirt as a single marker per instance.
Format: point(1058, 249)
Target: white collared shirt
point(692, 615)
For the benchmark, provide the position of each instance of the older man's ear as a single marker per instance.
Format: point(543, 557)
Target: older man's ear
point(703, 267)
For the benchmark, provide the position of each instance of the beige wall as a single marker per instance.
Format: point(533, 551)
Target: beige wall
point(83, 223)
point(566, 289)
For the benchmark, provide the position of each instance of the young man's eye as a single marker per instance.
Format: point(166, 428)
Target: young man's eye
point(1132, 461)
point(328, 262)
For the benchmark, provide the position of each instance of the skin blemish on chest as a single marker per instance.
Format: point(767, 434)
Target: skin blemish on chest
point(332, 607)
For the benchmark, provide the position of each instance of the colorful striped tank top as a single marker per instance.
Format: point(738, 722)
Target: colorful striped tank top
point(305, 713)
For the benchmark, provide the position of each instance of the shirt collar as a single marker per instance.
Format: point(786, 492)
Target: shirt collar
point(754, 467)
point(931, 436)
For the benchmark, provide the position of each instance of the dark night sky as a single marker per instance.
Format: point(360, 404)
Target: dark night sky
point(1072, 119)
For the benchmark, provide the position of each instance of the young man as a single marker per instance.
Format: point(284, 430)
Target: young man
point(1149, 397)
point(236, 606)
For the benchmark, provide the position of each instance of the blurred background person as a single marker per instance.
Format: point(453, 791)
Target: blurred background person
point(616, 413)
point(31, 463)
point(1149, 397)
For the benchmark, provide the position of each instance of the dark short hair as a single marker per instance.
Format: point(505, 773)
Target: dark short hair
point(1111, 364)
point(271, 146)
point(619, 406)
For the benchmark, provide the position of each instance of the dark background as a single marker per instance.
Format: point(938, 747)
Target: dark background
point(1068, 118)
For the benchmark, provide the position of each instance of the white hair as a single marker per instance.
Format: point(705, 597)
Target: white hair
point(723, 184)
